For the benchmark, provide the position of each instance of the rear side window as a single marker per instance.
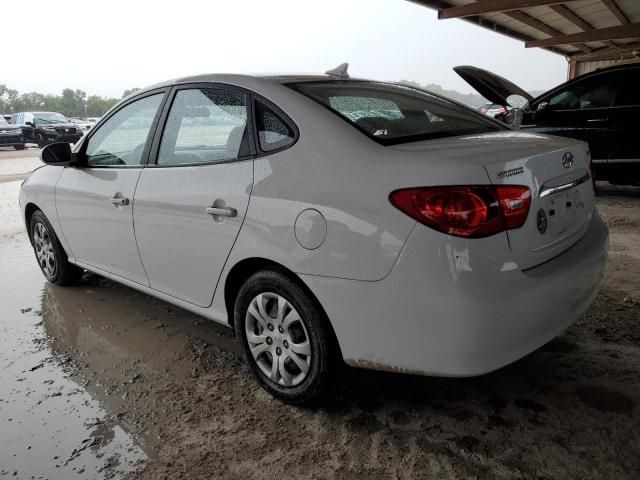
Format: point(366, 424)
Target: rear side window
point(274, 133)
point(205, 125)
point(391, 114)
point(629, 92)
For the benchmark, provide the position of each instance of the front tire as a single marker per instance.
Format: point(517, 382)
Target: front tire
point(41, 141)
point(285, 336)
point(50, 255)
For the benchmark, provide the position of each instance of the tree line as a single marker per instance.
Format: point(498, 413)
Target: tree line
point(71, 103)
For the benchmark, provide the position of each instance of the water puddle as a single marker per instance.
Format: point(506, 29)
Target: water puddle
point(50, 425)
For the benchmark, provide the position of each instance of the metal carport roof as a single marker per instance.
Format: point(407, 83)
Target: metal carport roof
point(581, 30)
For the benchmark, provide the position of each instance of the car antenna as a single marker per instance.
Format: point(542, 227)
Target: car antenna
point(339, 71)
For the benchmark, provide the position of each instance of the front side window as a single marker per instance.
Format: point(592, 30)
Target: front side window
point(274, 132)
point(391, 114)
point(594, 92)
point(122, 138)
point(205, 125)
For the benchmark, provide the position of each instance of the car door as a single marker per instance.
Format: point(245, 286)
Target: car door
point(95, 200)
point(192, 198)
point(27, 129)
point(624, 160)
point(581, 110)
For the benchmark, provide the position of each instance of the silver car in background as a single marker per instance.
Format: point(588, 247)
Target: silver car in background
point(328, 219)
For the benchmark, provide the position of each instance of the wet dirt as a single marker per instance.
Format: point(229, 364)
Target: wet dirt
point(126, 386)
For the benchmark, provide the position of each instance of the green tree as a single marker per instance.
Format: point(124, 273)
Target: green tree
point(72, 102)
point(129, 91)
point(96, 106)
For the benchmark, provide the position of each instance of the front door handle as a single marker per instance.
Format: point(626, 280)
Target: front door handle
point(120, 201)
point(598, 120)
point(224, 212)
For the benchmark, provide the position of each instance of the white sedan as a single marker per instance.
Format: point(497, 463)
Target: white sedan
point(328, 219)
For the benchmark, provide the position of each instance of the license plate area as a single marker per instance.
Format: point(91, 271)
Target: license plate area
point(565, 214)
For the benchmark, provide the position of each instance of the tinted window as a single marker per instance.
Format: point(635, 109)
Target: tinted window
point(395, 114)
point(273, 131)
point(592, 92)
point(629, 91)
point(205, 125)
point(122, 138)
point(50, 117)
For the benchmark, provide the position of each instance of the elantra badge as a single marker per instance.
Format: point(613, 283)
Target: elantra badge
point(567, 160)
point(541, 221)
point(511, 173)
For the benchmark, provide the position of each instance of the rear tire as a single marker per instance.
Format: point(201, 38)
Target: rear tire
point(51, 257)
point(285, 336)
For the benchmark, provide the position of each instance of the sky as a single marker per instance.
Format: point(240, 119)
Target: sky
point(106, 46)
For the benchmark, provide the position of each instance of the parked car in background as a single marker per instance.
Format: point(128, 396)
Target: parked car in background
point(492, 110)
point(11, 135)
point(84, 124)
point(325, 218)
point(601, 108)
point(93, 120)
point(44, 128)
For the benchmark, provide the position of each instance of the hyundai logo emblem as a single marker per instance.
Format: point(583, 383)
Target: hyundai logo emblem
point(567, 160)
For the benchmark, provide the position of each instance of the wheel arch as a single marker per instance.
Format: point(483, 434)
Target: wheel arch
point(242, 270)
point(29, 209)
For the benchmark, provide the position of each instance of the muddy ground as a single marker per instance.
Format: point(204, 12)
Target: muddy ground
point(99, 381)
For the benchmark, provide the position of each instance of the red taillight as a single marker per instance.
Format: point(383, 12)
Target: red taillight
point(466, 211)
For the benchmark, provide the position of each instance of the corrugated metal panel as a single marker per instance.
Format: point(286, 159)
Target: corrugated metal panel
point(586, 67)
point(631, 9)
point(593, 12)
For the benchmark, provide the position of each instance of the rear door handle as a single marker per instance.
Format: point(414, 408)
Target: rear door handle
point(120, 201)
point(597, 120)
point(224, 212)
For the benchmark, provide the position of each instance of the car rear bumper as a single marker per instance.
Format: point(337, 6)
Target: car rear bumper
point(455, 307)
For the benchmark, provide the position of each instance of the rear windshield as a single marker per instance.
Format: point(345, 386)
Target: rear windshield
point(392, 114)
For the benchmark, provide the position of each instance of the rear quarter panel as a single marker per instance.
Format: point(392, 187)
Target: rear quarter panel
point(347, 177)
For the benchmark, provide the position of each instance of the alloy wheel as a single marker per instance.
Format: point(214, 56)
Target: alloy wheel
point(278, 339)
point(44, 250)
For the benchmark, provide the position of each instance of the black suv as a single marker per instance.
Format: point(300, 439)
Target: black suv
point(44, 128)
point(11, 135)
point(601, 107)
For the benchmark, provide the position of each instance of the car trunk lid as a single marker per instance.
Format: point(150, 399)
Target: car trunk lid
point(554, 169)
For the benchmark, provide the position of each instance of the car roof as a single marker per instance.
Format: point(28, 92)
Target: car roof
point(33, 113)
point(235, 78)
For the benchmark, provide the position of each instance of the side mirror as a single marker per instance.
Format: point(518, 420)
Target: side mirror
point(31, 124)
point(514, 118)
point(57, 154)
